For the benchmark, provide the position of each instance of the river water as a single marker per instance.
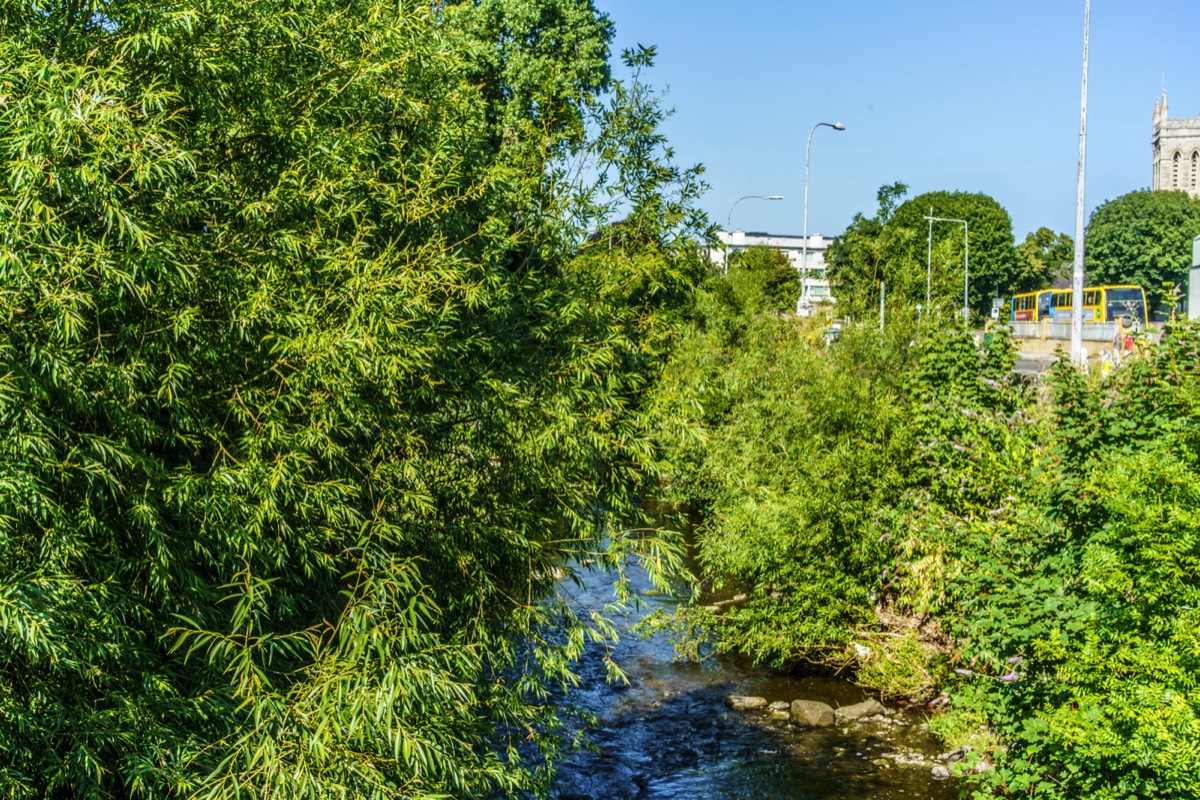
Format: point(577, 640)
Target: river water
point(670, 734)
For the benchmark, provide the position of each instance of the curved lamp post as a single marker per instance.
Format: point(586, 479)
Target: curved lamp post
point(729, 220)
point(837, 126)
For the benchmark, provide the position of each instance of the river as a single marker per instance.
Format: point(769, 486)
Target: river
point(670, 733)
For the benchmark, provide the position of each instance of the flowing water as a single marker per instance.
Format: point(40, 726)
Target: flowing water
point(670, 734)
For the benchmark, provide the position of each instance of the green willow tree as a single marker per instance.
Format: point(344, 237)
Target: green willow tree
point(311, 383)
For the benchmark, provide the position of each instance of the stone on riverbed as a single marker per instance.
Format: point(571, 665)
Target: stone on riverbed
point(867, 708)
point(955, 755)
point(736, 600)
point(740, 702)
point(812, 714)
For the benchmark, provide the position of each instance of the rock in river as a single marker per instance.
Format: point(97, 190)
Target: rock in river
point(867, 708)
point(811, 714)
point(742, 703)
point(781, 709)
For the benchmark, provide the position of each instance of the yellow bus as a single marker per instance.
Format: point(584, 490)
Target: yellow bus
point(1100, 304)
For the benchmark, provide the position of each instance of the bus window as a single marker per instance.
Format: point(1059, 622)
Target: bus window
point(1126, 300)
point(1044, 299)
point(1062, 305)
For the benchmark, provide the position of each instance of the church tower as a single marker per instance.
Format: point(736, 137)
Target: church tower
point(1176, 145)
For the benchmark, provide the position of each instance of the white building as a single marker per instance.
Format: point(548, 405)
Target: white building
point(815, 284)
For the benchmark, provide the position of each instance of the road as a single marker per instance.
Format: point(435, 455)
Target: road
point(1032, 363)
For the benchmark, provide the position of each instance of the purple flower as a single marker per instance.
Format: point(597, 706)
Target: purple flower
point(1010, 677)
point(964, 672)
point(993, 512)
point(885, 537)
point(1016, 659)
point(990, 382)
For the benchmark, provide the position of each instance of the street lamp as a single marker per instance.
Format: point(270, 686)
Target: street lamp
point(837, 126)
point(966, 260)
point(729, 220)
point(1077, 275)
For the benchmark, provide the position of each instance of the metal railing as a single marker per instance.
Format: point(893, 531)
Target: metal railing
point(1092, 331)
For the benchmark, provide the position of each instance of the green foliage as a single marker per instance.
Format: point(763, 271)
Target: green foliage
point(906, 506)
point(894, 247)
point(763, 279)
point(1042, 259)
point(1143, 238)
point(801, 445)
point(905, 664)
point(990, 238)
point(1072, 601)
point(310, 383)
point(858, 259)
point(792, 476)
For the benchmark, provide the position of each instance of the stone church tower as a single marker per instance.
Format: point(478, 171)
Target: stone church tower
point(1176, 151)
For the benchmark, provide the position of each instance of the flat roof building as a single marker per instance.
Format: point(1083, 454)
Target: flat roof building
point(815, 283)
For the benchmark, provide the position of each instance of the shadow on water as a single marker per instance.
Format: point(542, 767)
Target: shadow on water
point(670, 734)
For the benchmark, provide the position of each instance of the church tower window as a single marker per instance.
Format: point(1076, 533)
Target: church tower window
point(1195, 167)
point(1175, 162)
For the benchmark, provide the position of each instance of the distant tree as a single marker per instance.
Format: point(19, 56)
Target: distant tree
point(1043, 258)
point(854, 261)
point(993, 263)
point(1143, 237)
point(894, 247)
point(763, 279)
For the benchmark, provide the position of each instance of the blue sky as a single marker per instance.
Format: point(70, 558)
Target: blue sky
point(967, 96)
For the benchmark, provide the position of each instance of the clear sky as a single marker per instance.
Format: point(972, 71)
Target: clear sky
point(965, 96)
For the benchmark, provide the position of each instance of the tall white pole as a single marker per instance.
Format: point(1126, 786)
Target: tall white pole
point(966, 272)
point(837, 126)
point(929, 260)
point(966, 260)
point(1077, 275)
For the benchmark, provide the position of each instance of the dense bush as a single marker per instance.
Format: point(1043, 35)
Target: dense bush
point(801, 442)
point(1026, 557)
point(762, 279)
point(1073, 601)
